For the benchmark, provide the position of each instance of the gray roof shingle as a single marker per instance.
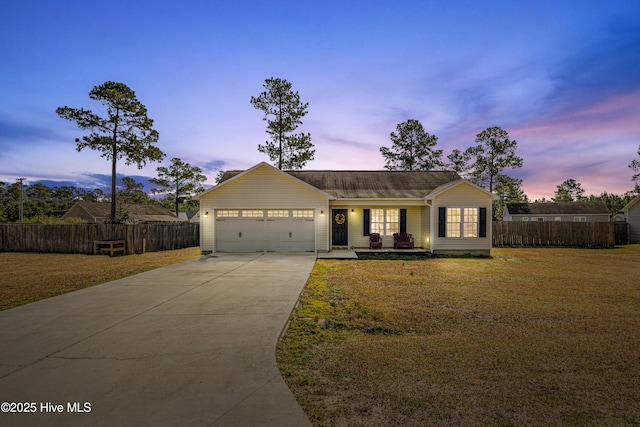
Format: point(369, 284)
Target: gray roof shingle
point(371, 184)
point(146, 213)
point(562, 208)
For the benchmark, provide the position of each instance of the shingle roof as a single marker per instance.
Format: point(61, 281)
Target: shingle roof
point(563, 208)
point(371, 184)
point(147, 213)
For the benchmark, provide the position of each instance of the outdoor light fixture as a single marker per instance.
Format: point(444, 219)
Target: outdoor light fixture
point(321, 212)
point(206, 214)
point(352, 212)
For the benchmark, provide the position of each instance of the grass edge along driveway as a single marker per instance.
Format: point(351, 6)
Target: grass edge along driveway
point(528, 337)
point(28, 277)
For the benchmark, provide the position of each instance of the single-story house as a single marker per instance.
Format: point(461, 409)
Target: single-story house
point(632, 212)
point(99, 212)
point(564, 211)
point(266, 209)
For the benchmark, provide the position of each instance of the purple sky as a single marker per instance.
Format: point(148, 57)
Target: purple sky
point(563, 78)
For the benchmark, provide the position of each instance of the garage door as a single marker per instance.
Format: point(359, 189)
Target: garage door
point(260, 230)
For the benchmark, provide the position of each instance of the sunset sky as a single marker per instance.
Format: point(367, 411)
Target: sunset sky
point(562, 77)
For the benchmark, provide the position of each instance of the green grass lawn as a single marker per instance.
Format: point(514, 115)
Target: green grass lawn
point(528, 337)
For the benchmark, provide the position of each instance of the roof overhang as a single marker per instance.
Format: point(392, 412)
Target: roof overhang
point(450, 185)
point(415, 201)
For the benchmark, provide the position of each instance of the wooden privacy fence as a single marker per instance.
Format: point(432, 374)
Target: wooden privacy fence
point(79, 238)
point(551, 233)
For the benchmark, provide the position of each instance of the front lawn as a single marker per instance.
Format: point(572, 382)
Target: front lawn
point(528, 337)
point(29, 277)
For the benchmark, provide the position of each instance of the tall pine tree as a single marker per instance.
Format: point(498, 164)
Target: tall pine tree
point(412, 148)
point(283, 112)
point(126, 132)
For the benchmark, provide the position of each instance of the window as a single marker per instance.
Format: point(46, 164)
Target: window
point(525, 218)
point(454, 220)
point(462, 222)
point(278, 214)
point(470, 223)
point(391, 221)
point(303, 214)
point(385, 221)
point(227, 214)
point(580, 219)
point(253, 213)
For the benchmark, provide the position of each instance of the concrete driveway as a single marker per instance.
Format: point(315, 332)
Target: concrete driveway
point(191, 344)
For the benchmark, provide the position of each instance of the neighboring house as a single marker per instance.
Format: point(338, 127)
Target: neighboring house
point(565, 211)
point(619, 218)
point(100, 212)
point(189, 216)
point(265, 209)
point(632, 212)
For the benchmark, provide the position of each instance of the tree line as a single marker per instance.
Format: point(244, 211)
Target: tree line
point(126, 133)
point(413, 148)
point(484, 164)
point(44, 204)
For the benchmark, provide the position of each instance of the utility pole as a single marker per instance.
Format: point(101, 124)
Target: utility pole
point(20, 181)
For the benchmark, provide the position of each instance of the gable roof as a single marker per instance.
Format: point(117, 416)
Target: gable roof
point(369, 184)
point(629, 205)
point(230, 176)
point(448, 186)
point(562, 208)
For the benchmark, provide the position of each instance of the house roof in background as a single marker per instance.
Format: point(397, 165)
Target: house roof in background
point(370, 184)
point(148, 213)
point(563, 208)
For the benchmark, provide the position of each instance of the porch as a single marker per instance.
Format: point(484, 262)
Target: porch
point(345, 253)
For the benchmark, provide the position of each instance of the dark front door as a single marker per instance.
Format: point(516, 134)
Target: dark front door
point(340, 229)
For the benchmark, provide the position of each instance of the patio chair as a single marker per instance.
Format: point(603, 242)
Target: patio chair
point(375, 241)
point(402, 241)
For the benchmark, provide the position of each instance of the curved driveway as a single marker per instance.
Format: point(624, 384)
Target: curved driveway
point(192, 344)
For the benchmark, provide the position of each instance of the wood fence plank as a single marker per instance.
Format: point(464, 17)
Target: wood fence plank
point(551, 233)
point(79, 238)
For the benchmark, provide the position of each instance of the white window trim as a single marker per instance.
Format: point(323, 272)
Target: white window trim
point(385, 224)
point(462, 222)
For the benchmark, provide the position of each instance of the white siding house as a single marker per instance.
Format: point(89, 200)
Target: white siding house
point(266, 209)
point(463, 219)
point(561, 212)
point(256, 210)
point(632, 212)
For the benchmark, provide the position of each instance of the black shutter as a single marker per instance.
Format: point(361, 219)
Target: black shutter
point(403, 220)
point(366, 220)
point(442, 222)
point(483, 222)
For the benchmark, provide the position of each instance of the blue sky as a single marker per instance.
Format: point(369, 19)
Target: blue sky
point(563, 78)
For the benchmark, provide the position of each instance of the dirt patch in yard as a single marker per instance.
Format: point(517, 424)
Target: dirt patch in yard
point(29, 277)
point(529, 337)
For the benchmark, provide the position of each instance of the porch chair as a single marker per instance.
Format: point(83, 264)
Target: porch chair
point(402, 241)
point(375, 241)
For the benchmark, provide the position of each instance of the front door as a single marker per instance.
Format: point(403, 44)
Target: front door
point(340, 229)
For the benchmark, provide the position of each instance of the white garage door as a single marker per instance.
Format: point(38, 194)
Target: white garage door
point(260, 230)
